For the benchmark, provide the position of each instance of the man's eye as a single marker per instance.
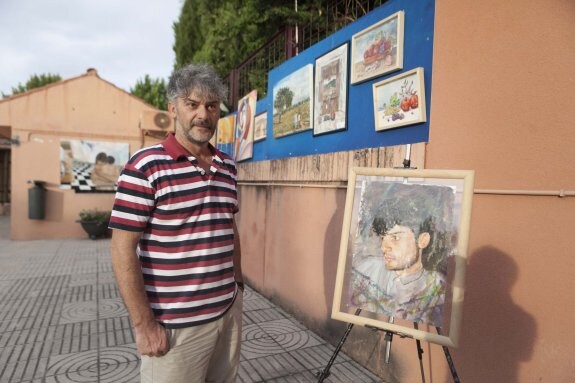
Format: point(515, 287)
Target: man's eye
point(211, 108)
point(393, 237)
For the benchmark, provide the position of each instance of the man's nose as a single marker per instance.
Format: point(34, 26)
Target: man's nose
point(202, 111)
point(385, 247)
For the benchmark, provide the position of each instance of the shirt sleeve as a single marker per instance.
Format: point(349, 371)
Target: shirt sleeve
point(134, 201)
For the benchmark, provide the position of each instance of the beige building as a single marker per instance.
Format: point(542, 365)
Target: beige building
point(502, 105)
point(81, 108)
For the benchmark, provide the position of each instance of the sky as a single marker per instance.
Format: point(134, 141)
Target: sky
point(122, 39)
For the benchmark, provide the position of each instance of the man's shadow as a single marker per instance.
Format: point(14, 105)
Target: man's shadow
point(497, 334)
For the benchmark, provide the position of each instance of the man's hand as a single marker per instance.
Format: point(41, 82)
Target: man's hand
point(152, 339)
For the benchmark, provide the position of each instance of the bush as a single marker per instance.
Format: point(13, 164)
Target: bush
point(95, 215)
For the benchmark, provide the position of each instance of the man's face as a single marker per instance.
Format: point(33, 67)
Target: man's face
point(196, 117)
point(399, 248)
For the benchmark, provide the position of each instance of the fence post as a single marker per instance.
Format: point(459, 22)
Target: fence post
point(234, 84)
point(290, 42)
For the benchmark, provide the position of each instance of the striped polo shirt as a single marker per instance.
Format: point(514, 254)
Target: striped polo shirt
point(186, 219)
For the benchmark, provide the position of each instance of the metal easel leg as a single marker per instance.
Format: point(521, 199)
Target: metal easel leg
point(323, 374)
point(419, 354)
point(388, 338)
point(449, 360)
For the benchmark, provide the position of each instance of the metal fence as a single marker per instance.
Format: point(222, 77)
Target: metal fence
point(329, 17)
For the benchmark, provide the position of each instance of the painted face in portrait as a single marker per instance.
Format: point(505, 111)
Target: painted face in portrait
point(400, 248)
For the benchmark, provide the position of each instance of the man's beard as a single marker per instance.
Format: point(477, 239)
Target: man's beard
point(199, 137)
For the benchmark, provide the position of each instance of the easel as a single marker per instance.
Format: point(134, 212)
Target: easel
point(388, 337)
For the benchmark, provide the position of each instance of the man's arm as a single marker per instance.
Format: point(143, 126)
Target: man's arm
point(151, 337)
point(237, 256)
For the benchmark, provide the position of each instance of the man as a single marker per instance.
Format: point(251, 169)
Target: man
point(175, 247)
point(411, 223)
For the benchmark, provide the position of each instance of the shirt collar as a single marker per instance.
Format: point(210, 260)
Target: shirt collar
point(409, 278)
point(177, 151)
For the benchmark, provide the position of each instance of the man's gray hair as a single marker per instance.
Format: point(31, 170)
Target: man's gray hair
point(200, 78)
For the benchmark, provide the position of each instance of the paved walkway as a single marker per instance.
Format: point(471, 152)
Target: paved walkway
point(62, 320)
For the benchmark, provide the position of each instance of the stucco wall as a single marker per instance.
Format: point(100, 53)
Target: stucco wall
point(82, 108)
point(502, 106)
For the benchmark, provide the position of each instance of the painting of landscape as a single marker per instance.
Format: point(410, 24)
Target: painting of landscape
point(292, 98)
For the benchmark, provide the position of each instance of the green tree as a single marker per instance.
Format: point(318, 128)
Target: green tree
point(190, 29)
point(224, 33)
point(35, 81)
point(283, 99)
point(151, 91)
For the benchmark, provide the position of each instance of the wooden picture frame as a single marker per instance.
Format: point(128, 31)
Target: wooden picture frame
point(292, 102)
point(261, 124)
point(378, 49)
point(330, 91)
point(399, 100)
point(428, 213)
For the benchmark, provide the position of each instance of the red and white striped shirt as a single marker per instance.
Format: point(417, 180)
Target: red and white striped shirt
point(186, 219)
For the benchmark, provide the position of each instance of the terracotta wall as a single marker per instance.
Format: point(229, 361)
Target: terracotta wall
point(83, 108)
point(503, 89)
point(502, 104)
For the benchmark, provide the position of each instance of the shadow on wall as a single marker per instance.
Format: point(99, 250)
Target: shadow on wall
point(334, 329)
point(497, 335)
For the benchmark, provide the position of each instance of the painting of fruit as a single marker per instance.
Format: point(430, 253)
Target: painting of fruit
point(400, 100)
point(378, 49)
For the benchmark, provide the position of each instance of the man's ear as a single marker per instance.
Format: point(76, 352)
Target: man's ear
point(172, 110)
point(423, 240)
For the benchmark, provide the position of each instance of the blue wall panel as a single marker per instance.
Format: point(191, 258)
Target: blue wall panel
point(360, 132)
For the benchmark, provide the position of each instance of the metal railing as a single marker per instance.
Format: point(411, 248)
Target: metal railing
point(327, 19)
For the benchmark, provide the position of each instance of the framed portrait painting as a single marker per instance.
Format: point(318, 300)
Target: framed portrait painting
point(261, 123)
point(292, 102)
point(399, 100)
point(377, 49)
point(330, 92)
point(403, 252)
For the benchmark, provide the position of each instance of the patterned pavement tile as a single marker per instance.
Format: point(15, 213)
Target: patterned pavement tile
point(260, 347)
point(118, 364)
point(268, 367)
point(258, 316)
point(62, 320)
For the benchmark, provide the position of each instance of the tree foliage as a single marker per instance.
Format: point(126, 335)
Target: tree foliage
point(284, 98)
point(224, 33)
point(35, 81)
point(151, 91)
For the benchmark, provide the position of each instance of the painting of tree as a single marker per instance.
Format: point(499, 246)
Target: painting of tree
point(292, 101)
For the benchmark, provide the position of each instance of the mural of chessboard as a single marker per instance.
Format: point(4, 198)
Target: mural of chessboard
point(82, 182)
